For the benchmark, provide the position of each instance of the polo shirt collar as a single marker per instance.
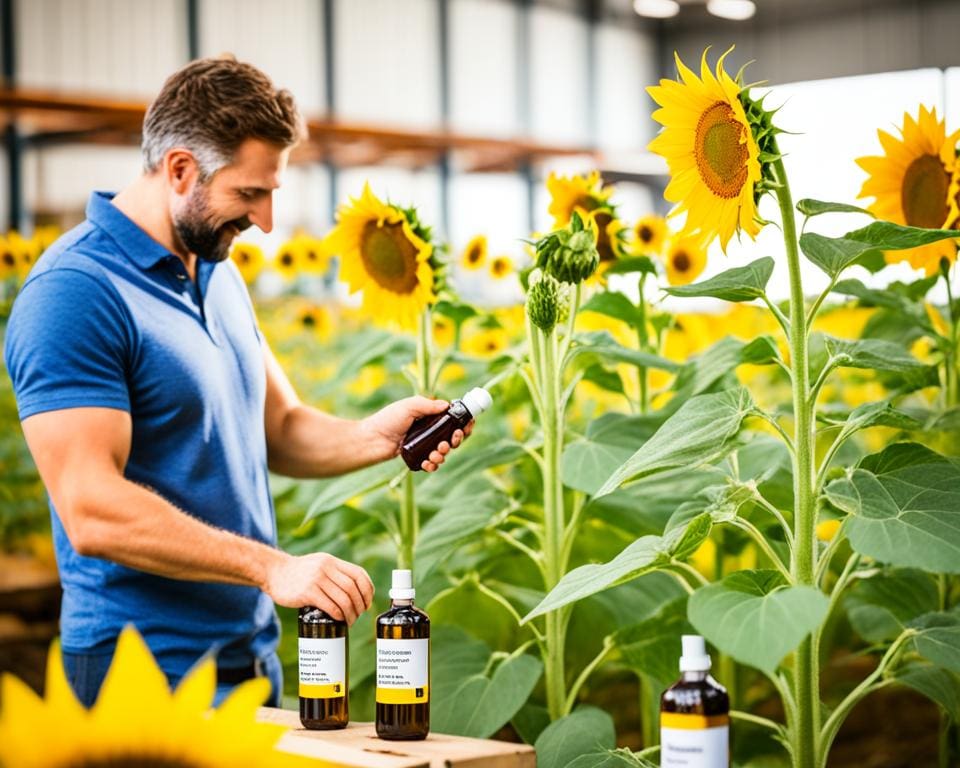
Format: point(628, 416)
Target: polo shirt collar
point(138, 246)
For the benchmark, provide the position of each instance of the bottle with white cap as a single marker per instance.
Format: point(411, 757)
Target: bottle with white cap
point(427, 432)
point(695, 714)
point(403, 665)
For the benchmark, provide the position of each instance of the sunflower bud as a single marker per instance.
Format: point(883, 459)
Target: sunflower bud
point(570, 256)
point(545, 303)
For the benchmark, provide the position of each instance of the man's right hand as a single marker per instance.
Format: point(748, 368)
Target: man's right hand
point(341, 589)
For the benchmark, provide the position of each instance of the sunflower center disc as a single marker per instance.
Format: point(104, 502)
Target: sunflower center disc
point(645, 234)
point(604, 247)
point(923, 193)
point(681, 261)
point(721, 155)
point(389, 257)
point(132, 761)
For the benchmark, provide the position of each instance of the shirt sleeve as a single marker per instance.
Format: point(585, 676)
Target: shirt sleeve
point(68, 344)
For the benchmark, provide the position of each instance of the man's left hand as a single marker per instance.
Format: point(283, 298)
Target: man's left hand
point(387, 427)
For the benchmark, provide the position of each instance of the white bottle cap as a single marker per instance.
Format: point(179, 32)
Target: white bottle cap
point(402, 586)
point(477, 401)
point(695, 658)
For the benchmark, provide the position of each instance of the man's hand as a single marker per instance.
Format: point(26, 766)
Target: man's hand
point(341, 589)
point(387, 427)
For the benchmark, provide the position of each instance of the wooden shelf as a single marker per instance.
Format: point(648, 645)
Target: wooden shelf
point(47, 117)
point(358, 745)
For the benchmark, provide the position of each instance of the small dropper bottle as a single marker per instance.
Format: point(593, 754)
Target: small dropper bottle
point(427, 432)
point(323, 650)
point(695, 713)
point(403, 665)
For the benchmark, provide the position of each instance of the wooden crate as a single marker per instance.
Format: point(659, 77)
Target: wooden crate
point(358, 745)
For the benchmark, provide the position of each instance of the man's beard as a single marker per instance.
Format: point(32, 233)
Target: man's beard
point(199, 234)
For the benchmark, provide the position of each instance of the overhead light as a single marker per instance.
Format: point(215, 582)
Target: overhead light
point(737, 10)
point(657, 9)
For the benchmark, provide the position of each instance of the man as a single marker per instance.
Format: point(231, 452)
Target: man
point(153, 406)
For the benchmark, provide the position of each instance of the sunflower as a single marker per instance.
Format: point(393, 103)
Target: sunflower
point(289, 259)
point(122, 728)
point(486, 342)
point(649, 234)
point(25, 252)
point(249, 260)
point(8, 260)
point(444, 330)
point(384, 257)
point(911, 183)
point(316, 320)
point(710, 149)
point(608, 233)
point(575, 193)
point(500, 267)
point(686, 259)
point(46, 235)
point(475, 254)
point(314, 257)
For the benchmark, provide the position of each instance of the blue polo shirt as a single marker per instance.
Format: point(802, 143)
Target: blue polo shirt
point(109, 318)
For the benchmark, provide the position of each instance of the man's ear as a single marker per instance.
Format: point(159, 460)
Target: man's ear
point(181, 170)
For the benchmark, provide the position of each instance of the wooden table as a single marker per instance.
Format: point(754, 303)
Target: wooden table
point(358, 745)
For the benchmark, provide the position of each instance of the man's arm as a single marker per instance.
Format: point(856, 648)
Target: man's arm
point(305, 442)
point(81, 454)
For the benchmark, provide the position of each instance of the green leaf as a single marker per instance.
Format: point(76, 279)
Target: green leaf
point(464, 463)
point(938, 685)
point(650, 647)
point(530, 722)
point(938, 640)
point(612, 758)
point(810, 208)
point(903, 306)
point(632, 264)
point(586, 731)
point(338, 491)
point(904, 508)
point(614, 304)
point(755, 617)
point(600, 346)
point(481, 705)
point(453, 525)
point(718, 361)
point(835, 254)
point(454, 657)
point(585, 464)
point(881, 607)
point(456, 311)
point(698, 433)
point(875, 354)
point(737, 284)
point(642, 556)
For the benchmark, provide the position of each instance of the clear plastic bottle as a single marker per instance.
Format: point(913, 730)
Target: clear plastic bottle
point(324, 663)
point(695, 714)
point(403, 665)
point(427, 432)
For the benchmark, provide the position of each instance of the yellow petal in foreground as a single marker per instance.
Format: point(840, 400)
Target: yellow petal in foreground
point(912, 182)
point(575, 193)
point(384, 258)
point(710, 150)
point(136, 720)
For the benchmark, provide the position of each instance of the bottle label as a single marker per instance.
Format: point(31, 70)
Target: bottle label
point(323, 669)
point(403, 671)
point(694, 741)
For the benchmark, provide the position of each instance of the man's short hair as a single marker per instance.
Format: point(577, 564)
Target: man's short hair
point(211, 107)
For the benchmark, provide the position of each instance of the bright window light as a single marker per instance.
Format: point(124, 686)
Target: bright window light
point(738, 10)
point(657, 9)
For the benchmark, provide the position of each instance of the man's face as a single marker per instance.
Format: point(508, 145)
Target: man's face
point(214, 212)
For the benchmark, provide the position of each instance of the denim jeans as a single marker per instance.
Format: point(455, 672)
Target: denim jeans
point(86, 673)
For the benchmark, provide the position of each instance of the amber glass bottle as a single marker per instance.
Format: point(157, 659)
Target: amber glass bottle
point(695, 714)
point(427, 432)
point(324, 661)
point(403, 665)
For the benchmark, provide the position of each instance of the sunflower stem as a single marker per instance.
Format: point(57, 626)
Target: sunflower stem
point(806, 679)
point(409, 514)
